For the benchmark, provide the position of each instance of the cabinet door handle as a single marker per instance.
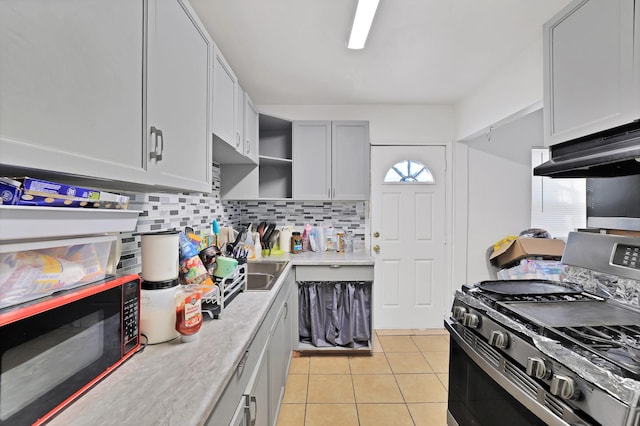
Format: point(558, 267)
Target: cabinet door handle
point(334, 266)
point(329, 193)
point(154, 152)
point(254, 401)
point(237, 139)
point(243, 361)
point(334, 193)
point(248, 146)
point(160, 137)
point(246, 407)
point(286, 310)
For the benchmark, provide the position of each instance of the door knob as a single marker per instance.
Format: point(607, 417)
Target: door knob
point(376, 248)
point(376, 234)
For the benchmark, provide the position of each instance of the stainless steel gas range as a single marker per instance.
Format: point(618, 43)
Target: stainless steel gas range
point(540, 352)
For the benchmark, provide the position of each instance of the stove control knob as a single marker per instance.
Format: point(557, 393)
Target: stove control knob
point(538, 368)
point(458, 312)
point(471, 320)
point(499, 339)
point(564, 387)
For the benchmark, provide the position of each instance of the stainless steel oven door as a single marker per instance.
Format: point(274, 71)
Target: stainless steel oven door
point(485, 388)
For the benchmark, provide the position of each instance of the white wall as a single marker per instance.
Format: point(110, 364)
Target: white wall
point(499, 187)
point(515, 87)
point(388, 124)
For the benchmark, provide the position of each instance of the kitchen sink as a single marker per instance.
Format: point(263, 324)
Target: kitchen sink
point(263, 275)
point(259, 281)
point(274, 267)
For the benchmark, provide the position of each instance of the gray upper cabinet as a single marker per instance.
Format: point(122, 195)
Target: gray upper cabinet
point(71, 87)
point(178, 90)
point(311, 160)
point(331, 160)
point(251, 129)
point(350, 160)
point(591, 68)
point(78, 97)
point(235, 117)
point(225, 87)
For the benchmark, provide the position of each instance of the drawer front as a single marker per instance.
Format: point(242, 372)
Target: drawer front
point(335, 273)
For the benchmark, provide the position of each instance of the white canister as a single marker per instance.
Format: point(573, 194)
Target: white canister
point(158, 311)
point(160, 256)
point(285, 238)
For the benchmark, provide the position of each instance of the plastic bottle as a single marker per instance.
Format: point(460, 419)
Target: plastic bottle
point(331, 239)
point(306, 234)
point(257, 248)
point(321, 239)
point(340, 245)
point(188, 311)
point(313, 239)
point(348, 242)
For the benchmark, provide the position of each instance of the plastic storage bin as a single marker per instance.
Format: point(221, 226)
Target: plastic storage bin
point(32, 270)
point(534, 269)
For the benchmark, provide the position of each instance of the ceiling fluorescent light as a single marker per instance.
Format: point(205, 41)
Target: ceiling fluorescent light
point(365, 12)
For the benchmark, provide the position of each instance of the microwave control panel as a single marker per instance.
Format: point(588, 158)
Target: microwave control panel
point(130, 314)
point(626, 255)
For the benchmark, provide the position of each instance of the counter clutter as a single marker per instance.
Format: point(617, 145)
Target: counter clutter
point(172, 383)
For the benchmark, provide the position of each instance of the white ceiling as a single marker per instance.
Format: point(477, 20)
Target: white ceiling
point(418, 51)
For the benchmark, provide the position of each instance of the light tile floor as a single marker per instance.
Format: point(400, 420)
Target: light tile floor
point(404, 382)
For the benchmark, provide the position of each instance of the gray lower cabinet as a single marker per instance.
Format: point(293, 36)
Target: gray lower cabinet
point(115, 90)
point(240, 415)
point(253, 395)
point(258, 392)
point(279, 355)
point(591, 68)
point(331, 160)
point(294, 334)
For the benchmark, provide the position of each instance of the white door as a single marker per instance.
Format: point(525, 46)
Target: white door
point(408, 236)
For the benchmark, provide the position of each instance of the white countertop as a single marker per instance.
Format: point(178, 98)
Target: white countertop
point(178, 383)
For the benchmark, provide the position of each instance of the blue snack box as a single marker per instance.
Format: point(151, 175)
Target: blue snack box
point(45, 188)
point(54, 200)
point(9, 194)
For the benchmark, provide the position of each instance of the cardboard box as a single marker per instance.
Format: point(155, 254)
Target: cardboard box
point(544, 248)
point(109, 200)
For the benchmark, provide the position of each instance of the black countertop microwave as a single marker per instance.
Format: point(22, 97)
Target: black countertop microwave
point(614, 203)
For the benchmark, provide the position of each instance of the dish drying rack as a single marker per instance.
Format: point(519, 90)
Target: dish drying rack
point(225, 290)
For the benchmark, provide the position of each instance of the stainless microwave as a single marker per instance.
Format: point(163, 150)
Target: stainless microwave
point(55, 348)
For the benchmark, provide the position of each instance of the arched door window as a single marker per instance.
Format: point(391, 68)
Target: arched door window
point(409, 171)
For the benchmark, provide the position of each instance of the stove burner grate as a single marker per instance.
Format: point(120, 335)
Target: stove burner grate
point(618, 345)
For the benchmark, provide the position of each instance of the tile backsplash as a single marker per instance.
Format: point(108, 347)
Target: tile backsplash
point(165, 211)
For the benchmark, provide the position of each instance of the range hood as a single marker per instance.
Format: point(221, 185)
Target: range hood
point(614, 152)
